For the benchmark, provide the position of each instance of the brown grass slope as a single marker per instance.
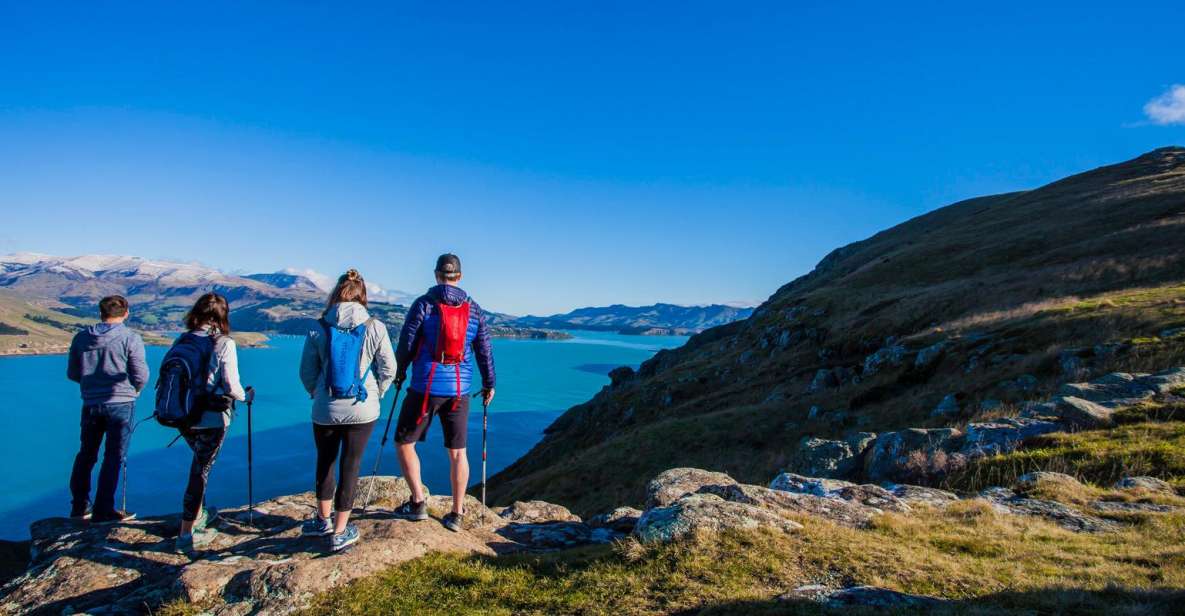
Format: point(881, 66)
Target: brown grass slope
point(1009, 282)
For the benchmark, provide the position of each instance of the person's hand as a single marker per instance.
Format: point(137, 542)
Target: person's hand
point(487, 396)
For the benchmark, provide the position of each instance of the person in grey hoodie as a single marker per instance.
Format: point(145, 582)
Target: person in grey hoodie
point(107, 362)
point(342, 426)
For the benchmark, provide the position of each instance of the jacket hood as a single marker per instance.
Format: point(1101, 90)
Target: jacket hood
point(347, 315)
point(104, 329)
point(448, 294)
point(100, 335)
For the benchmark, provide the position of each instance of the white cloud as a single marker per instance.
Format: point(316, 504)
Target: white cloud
point(323, 281)
point(1168, 108)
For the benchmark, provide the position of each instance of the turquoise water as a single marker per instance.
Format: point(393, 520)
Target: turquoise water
point(537, 380)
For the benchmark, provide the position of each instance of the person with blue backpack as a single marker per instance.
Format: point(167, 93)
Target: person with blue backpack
point(196, 393)
point(444, 330)
point(346, 367)
point(107, 362)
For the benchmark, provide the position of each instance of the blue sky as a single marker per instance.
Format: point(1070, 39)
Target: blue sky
point(571, 153)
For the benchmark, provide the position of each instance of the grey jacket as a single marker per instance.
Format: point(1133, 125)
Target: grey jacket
point(107, 362)
point(376, 353)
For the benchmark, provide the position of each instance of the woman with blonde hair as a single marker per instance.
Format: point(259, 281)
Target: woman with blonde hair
point(347, 365)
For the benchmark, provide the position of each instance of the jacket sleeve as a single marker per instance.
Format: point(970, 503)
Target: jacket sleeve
point(384, 360)
point(137, 364)
point(483, 350)
point(310, 363)
point(74, 362)
point(228, 359)
point(409, 335)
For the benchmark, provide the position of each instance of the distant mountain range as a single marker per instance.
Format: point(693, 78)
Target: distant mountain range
point(658, 319)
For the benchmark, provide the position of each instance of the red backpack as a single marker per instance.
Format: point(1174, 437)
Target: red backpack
point(450, 347)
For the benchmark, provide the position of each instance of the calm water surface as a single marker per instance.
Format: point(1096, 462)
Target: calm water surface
point(537, 380)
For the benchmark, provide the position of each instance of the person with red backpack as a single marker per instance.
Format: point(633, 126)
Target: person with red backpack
point(443, 331)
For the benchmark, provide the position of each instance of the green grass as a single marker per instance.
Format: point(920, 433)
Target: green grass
point(1100, 457)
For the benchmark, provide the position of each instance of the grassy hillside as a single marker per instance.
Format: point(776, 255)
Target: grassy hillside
point(1024, 291)
point(26, 327)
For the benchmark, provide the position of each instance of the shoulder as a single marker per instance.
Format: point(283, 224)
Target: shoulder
point(376, 325)
point(225, 345)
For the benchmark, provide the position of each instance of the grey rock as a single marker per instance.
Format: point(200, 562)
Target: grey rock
point(861, 597)
point(1030, 481)
point(1003, 435)
point(888, 456)
point(860, 441)
point(1117, 507)
point(873, 496)
point(1151, 484)
point(818, 457)
point(1065, 516)
point(1071, 364)
point(819, 486)
point(1081, 413)
point(705, 513)
point(549, 535)
point(622, 519)
point(830, 508)
point(1166, 381)
point(890, 355)
point(914, 495)
point(825, 378)
point(671, 485)
point(1112, 391)
point(949, 405)
point(929, 355)
point(537, 511)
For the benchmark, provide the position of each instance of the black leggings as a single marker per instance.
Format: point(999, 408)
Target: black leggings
point(350, 440)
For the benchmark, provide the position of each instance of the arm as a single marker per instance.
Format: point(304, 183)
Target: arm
point(483, 350)
point(310, 363)
point(137, 364)
point(228, 360)
point(409, 335)
point(74, 362)
point(384, 359)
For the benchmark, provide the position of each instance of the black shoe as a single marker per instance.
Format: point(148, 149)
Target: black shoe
point(412, 510)
point(80, 513)
point(453, 521)
point(113, 517)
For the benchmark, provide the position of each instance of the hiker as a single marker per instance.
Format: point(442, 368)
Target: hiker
point(208, 338)
point(441, 329)
point(107, 362)
point(347, 365)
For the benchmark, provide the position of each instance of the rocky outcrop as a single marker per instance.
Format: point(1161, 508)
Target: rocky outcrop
point(669, 486)
point(537, 511)
point(832, 458)
point(268, 568)
point(697, 513)
point(861, 597)
point(1150, 484)
point(893, 453)
point(622, 519)
point(1069, 518)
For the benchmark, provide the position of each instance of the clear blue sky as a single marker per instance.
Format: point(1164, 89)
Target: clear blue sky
point(572, 154)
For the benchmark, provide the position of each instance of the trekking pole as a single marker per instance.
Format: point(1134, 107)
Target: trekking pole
point(485, 427)
point(374, 473)
point(250, 467)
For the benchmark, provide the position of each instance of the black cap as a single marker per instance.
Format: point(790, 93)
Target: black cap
point(448, 264)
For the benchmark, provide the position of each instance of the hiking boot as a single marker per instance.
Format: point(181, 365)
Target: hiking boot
point(412, 510)
point(317, 526)
point(454, 521)
point(205, 517)
point(80, 513)
point(113, 517)
point(344, 539)
point(190, 543)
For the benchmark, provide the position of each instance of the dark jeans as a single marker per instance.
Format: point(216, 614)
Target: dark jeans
point(205, 445)
point(98, 420)
point(350, 441)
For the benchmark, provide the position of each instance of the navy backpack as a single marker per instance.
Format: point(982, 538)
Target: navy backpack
point(344, 349)
point(182, 384)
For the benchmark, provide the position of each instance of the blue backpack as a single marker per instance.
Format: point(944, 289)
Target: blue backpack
point(181, 386)
point(344, 348)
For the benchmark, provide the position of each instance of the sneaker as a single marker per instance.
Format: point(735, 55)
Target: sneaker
point(80, 513)
point(190, 543)
point(317, 526)
point(412, 510)
point(345, 539)
point(113, 517)
point(453, 521)
point(205, 517)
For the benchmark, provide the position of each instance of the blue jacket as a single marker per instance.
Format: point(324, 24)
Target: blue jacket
point(418, 337)
point(107, 362)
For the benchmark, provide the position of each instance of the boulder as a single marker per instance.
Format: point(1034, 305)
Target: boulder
point(698, 513)
point(622, 519)
point(671, 485)
point(1008, 502)
point(949, 405)
point(537, 511)
point(1125, 508)
point(1082, 413)
point(915, 495)
point(1031, 481)
point(800, 484)
point(1003, 435)
point(873, 496)
point(544, 536)
point(831, 458)
point(1151, 484)
point(929, 355)
point(1112, 391)
point(891, 355)
point(1167, 381)
point(825, 378)
point(840, 502)
point(267, 568)
point(888, 456)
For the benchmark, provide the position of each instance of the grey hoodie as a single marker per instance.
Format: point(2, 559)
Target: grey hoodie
point(376, 353)
point(107, 361)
